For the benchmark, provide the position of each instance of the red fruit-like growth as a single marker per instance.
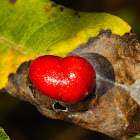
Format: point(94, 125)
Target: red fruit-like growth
point(67, 79)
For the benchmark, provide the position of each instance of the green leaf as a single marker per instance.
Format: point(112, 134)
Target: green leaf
point(137, 137)
point(31, 28)
point(3, 135)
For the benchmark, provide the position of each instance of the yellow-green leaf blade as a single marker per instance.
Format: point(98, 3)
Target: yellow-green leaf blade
point(31, 28)
point(3, 135)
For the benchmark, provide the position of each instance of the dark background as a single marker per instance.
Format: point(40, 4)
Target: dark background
point(22, 121)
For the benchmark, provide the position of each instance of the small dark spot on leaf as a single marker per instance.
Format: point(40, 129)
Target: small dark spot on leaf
point(61, 9)
point(54, 5)
point(58, 107)
point(77, 14)
point(12, 1)
point(47, 10)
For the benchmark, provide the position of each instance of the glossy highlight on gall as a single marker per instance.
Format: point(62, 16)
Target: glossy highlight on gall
point(68, 79)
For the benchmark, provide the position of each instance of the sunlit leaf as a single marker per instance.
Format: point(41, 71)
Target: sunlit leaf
point(31, 28)
point(3, 135)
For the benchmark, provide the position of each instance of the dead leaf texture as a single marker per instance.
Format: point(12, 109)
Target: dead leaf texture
point(110, 108)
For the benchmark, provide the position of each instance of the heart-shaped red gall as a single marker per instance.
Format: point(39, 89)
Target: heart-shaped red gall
point(67, 79)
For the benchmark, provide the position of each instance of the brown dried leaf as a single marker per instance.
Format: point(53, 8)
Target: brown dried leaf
point(109, 109)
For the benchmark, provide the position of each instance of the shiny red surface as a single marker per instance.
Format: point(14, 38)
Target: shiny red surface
point(67, 79)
